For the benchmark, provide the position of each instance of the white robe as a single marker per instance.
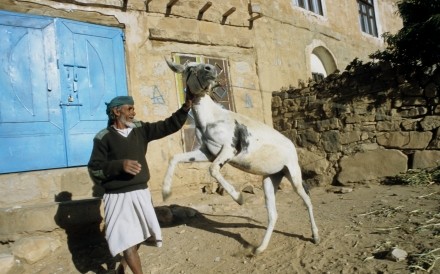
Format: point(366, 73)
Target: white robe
point(130, 219)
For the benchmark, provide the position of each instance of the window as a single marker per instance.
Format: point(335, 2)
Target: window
point(310, 5)
point(55, 76)
point(318, 69)
point(367, 18)
point(222, 95)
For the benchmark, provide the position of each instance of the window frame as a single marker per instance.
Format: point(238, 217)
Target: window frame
point(314, 6)
point(189, 141)
point(367, 17)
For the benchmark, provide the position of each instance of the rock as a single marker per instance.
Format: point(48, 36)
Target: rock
point(312, 162)
point(398, 254)
point(341, 190)
point(248, 189)
point(430, 122)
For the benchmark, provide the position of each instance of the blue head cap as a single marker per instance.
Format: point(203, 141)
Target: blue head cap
point(119, 101)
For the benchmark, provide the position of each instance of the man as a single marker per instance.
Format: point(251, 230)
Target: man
point(118, 164)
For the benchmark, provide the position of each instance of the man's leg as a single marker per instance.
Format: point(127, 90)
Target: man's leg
point(131, 258)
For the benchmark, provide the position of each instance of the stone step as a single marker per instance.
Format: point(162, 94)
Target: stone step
point(45, 186)
point(83, 216)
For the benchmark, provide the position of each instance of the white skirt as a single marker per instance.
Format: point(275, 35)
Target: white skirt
point(129, 219)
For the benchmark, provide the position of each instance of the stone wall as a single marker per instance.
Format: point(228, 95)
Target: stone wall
point(363, 124)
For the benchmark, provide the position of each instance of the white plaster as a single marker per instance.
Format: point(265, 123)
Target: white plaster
point(242, 67)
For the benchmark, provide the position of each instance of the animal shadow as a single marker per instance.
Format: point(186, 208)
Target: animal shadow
point(175, 215)
point(81, 221)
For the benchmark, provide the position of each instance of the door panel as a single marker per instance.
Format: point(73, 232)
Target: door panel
point(55, 76)
point(92, 72)
point(29, 114)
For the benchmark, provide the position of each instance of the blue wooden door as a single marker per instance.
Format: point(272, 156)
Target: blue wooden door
point(31, 127)
point(92, 71)
point(55, 76)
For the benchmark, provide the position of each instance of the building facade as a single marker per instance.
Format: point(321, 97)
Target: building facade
point(78, 54)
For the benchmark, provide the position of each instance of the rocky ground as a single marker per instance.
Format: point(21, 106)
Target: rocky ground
point(359, 226)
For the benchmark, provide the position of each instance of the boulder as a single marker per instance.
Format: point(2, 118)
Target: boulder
point(426, 159)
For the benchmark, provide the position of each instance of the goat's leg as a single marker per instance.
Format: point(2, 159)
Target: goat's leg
point(192, 156)
point(272, 215)
point(222, 158)
point(295, 179)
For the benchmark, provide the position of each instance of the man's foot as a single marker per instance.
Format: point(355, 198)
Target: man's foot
point(120, 269)
point(153, 242)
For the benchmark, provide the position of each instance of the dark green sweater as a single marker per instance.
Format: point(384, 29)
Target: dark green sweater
point(110, 149)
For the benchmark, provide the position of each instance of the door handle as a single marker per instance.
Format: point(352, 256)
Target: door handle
point(70, 105)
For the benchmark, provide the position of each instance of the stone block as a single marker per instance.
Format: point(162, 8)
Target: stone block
point(371, 165)
point(328, 124)
point(330, 141)
point(435, 142)
point(33, 249)
point(350, 137)
point(414, 101)
point(430, 122)
point(388, 125)
point(405, 140)
point(426, 159)
point(312, 162)
point(413, 112)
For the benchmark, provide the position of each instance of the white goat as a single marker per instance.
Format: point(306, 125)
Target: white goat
point(228, 137)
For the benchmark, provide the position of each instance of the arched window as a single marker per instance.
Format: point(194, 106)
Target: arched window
point(322, 63)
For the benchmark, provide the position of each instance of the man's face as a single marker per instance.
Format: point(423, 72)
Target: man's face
point(125, 116)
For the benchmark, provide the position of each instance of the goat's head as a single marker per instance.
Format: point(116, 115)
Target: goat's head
point(200, 78)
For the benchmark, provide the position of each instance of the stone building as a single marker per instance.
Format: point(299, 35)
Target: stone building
point(260, 47)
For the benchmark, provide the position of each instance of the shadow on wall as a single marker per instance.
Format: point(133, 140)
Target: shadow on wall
point(81, 221)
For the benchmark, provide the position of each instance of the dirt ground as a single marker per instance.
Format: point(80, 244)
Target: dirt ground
point(358, 230)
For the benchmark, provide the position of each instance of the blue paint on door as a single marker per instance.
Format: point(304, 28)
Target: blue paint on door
point(55, 76)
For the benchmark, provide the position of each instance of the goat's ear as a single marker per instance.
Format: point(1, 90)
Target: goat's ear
point(177, 68)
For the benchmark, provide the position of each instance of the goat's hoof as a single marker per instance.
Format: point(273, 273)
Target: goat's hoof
point(257, 251)
point(316, 240)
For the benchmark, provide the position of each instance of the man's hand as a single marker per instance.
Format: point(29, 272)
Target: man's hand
point(131, 166)
point(188, 100)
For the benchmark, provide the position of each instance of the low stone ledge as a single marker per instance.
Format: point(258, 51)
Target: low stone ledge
point(28, 220)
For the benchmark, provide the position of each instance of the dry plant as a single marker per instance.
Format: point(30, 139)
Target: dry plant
point(424, 261)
